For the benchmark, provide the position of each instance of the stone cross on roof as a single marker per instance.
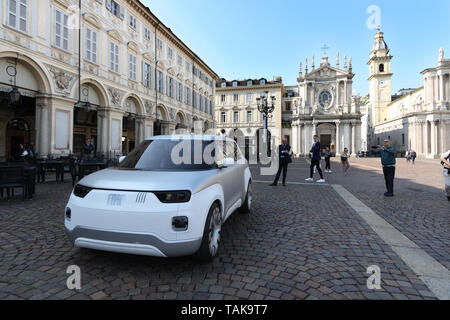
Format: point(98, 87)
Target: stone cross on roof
point(325, 48)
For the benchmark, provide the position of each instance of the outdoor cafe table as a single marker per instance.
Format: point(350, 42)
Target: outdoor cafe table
point(30, 178)
point(44, 165)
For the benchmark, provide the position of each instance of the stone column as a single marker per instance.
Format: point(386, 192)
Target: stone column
point(346, 136)
point(42, 126)
point(294, 137)
point(148, 131)
point(300, 141)
point(358, 136)
point(338, 138)
point(353, 138)
point(139, 129)
point(308, 138)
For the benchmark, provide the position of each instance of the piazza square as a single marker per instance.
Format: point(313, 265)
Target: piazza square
point(148, 160)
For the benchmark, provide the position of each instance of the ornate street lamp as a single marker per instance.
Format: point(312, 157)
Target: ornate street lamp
point(266, 110)
point(14, 94)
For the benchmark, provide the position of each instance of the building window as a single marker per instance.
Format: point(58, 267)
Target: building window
point(171, 92)
point(236, 98)
point(132, 22)
point(249, 97)
point(249, 116)
point(188, 67)
point(61, 30)
point(179, 60)
point(91, 45)
point(403, 139)
point(288, 106)
point(160, 81)
point(249, 83)
point(180, 91)
point(159, 44)
point(223, 84)
point(132, 66)
point(169, 52)
point(114, 57)
point(262, 82)
point(381, 67)
point(147, 33)
point(235, 83)
point(222, 98)
point(223, 117)
point(147, 75)
point(195, 100)
point(18, 14)
point(114, 8)
point(188, 96)
point(236, 116)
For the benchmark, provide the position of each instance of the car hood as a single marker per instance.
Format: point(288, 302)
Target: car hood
point(138, 180)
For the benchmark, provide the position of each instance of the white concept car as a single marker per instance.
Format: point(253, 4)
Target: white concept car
point(169, 197)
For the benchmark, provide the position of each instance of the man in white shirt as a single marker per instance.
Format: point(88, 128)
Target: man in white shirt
point(445, 158)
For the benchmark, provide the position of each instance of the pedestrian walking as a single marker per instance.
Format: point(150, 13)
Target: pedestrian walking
point(408, 156)
point(284, 157)
point(315, 161)
point(344, 161)
point(445, 158)
point(413, 156)
point(388, 162)
point(327, 156)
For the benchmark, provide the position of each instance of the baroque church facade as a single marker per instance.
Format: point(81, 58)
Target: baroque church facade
point(415, 119)
point(325, 106)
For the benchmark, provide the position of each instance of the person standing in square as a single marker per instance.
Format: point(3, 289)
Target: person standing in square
point(284, 158)
point(388, 162)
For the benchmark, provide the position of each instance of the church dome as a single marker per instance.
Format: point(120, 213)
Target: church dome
point(379, 43)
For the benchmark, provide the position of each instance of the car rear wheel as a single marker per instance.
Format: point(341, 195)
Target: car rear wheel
point(247, 206)
point(209, 247)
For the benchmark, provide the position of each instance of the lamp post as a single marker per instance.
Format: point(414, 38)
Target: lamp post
point(266, 109)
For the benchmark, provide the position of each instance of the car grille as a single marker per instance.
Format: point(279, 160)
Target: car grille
point(141, 197)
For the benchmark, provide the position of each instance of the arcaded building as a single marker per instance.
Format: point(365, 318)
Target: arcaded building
point(138, 78)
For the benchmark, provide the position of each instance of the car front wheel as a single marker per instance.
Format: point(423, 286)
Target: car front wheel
point(209, 247)
point(247, 206)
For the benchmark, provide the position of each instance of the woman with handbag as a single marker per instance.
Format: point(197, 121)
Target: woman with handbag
point(344, 161)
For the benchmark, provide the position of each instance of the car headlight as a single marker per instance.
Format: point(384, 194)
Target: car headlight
point(173, 196)
point(81, 191)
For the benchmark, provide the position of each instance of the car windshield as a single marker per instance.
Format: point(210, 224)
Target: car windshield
point(170, 154)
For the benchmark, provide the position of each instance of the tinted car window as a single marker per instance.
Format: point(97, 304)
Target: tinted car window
point(168, 154)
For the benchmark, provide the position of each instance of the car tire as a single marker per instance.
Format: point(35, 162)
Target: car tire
point(247, 206)
point(209, 247)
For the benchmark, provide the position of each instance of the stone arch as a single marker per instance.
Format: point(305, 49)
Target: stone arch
point(138, 103)
point(96, 86)
point(181, 118)
point(162, 113)
point(40, 74)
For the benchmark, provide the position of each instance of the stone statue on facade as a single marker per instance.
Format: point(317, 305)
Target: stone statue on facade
point(62, 79)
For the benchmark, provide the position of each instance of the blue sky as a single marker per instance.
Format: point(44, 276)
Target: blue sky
point(242, 39)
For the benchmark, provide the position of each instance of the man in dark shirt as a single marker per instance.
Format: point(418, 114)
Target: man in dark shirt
point(388, 162)
point(284, 156)
point(315, 161)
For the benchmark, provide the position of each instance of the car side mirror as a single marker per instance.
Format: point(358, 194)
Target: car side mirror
point(227, 162)
point(122, 158)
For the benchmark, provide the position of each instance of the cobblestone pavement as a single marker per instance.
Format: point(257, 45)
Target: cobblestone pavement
point(300, 242)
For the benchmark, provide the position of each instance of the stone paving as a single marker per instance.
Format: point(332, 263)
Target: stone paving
point(300, 242)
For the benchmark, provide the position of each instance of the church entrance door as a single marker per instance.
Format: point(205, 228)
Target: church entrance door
point(325, 141)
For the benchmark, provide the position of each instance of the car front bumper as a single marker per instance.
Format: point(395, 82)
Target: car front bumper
point(131, 243)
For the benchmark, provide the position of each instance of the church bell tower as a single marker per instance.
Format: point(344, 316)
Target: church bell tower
point(380, 79)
